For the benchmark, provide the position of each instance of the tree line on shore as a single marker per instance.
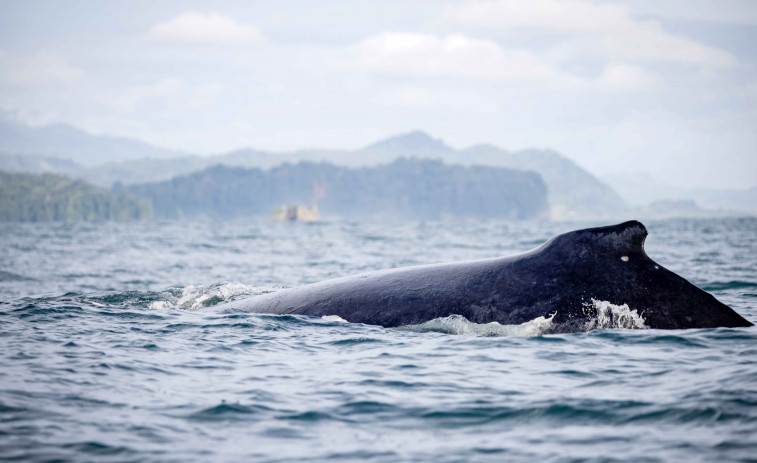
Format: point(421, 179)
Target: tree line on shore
point(53, 197)
point(406, 188)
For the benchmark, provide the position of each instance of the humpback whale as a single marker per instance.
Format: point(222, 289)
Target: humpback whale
point(559, 279)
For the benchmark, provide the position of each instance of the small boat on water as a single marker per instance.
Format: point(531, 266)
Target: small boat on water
point(295, 213)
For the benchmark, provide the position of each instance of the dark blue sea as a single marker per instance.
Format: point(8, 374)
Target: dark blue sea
point(110, 351)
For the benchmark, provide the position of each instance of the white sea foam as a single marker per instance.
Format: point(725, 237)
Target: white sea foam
point(196, 297)
point(159, 305)
point(334, 318)
point(610, 315)
point(457, 324)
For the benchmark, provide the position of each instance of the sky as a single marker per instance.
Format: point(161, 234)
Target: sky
point(663, 88)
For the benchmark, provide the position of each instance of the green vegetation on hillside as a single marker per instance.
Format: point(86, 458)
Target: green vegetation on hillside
point(573, 192)
point(410, 188)
point(50, 197)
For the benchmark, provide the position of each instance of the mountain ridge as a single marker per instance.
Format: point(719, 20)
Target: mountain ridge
point(573, 191)
point(67, 142)
point(641, 190)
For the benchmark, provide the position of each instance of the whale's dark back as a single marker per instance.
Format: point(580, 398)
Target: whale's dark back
point(610, 264)
point(560, 278)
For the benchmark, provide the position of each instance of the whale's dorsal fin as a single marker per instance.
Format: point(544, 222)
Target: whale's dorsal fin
point(624, 239)
point(627, 236)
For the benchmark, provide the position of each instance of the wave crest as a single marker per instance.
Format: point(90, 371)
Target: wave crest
point(610, 316)
point(457, 324)
point(604, 315)
point(196, 297)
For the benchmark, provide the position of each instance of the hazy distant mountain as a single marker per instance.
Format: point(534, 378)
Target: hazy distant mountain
point(155, 170)
point(666, 208)
point(414, 144)
point(29, 163)
point(573, 192)
point(251, 158)
point(66, 142)
point(409, 188)
point(142, 170)
point(727, 200)
point(640, 190)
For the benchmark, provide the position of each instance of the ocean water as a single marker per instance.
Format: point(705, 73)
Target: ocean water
point(105, 355)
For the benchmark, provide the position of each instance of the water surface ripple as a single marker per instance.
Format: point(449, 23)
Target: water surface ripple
point(105, 357)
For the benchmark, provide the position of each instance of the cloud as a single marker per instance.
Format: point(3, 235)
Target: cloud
point(546, 15)
point(40, 68)
point(606, 30)
point(626, 78)
point(168, 94)
point(198, 29)
point(742, 12)
point(427, 55)
point(432, 97)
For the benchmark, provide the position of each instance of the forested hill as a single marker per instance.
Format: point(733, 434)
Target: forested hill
point(49, 197)
point(104, 161)
point(410, 188)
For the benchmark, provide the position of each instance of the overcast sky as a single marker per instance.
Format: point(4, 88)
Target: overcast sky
point(667, 88)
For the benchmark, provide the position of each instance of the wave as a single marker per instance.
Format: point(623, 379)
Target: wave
point(723, 285)
point(457, 324)
point(600, 314)
point(607, 316)
point(196, 297)
point(10, 276)
point(192, 297)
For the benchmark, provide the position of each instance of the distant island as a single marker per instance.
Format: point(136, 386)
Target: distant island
point(406, 188)
point(51, 197)
point(573, 193)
